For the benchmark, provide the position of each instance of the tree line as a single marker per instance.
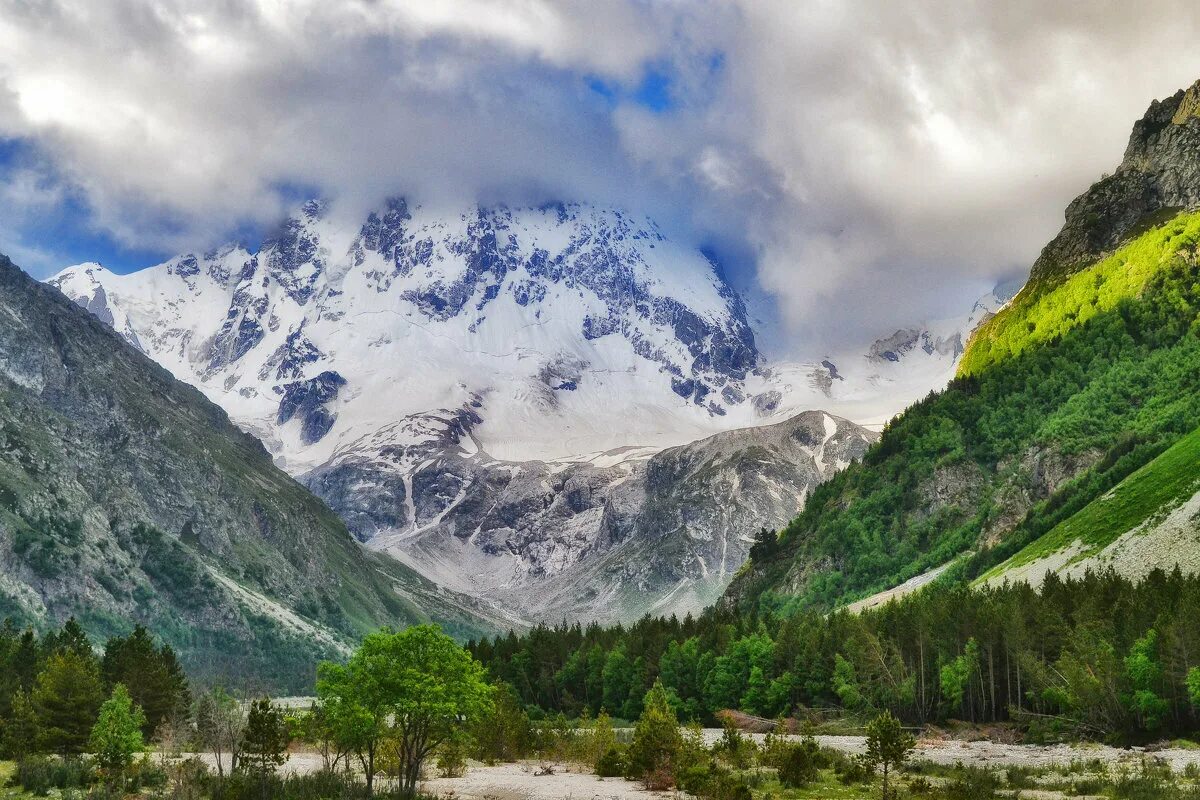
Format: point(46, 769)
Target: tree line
point(1099, 656)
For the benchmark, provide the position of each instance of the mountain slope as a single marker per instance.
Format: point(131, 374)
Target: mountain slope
point(126, 495)
point(607, 539)
point(1088, 375)
point(1147, 521)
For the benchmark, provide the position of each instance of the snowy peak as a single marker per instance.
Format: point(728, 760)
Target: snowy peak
point(554, 320)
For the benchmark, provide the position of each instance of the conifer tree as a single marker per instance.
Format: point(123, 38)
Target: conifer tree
point(265, 740)
point(21, 730)
point(656, 740)
point(67, 696)
point(888, 745)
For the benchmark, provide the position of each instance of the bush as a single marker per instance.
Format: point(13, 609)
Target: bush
point(40, 774)
point(920, 786)
point(1151, 781)
point(714, 782)
point(452, 758)
point(801, 763)
point(972, 783)
point(145, 774)
point(322, 785)
point(852, 770)
point(612, 763)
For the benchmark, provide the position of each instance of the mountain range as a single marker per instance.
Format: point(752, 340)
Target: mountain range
point(126, 496)
point(557, 410)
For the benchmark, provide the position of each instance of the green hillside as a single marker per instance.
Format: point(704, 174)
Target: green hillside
point(1149, 492)
point(126, 496)
point(1038, 316)
point(1006, 453)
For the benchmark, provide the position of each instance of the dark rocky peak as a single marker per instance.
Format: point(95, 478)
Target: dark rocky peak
point(292, 255)
point(1159, 175)
point(308, 400)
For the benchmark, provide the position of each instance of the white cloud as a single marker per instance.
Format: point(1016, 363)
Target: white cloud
point(878, 160)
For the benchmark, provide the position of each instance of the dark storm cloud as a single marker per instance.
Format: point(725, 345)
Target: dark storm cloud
point(866, 164)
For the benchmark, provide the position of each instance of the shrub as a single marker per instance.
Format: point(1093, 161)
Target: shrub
point(1149, 781)
point(452, 758)
point(801, 763)
point(40, 774)
point(920, 785)
point(612, 763)
point(972, 783)
point(853, 770)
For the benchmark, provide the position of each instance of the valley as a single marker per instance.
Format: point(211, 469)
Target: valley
point(540, 400)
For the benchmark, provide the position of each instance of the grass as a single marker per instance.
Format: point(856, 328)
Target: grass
point(826, 787)
point(7, 770)
point(1034, 318)
point(1155, 488)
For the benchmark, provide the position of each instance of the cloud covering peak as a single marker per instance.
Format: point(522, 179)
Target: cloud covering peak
point(859, 163)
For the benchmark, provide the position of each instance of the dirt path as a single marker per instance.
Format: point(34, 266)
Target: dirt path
point(520, 781)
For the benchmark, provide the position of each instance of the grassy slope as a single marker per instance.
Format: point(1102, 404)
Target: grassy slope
point(1038, 316)
point(1155, 488)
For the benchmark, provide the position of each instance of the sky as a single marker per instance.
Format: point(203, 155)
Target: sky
point(853, 166)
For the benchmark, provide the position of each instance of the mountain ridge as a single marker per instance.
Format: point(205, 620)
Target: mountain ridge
point(128, 496)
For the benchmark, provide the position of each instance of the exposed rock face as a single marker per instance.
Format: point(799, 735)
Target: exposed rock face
point(608, 540)
point(126, 496)
point(1159, 173)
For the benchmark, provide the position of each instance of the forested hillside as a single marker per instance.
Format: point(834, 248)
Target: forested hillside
point(1085, 377)
point(1073, 423)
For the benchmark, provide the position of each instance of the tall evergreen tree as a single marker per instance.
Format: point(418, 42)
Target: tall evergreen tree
point(67, 696)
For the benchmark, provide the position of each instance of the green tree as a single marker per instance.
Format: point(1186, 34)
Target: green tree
point(67, 696)
point(1144, 673)
point(22, 732)
point(845, 684)
point(888, 745)
point(1193, 686)
point(505, 733)
point(756, 699)
point(656, 740)
point(264, 742)
point(151, 674)
point(117, 735)
point(416, 685)
point(603, 738)
point(955, 677)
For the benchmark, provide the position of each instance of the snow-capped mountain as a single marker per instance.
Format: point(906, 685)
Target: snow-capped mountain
point(484, 394)
point(568, 329)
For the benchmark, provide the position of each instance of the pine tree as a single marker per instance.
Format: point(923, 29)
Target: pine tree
point(265, 741)
point(67, 696)
point(887, 747)
point(656, 741)
point(152, 675)
point(22, 732)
